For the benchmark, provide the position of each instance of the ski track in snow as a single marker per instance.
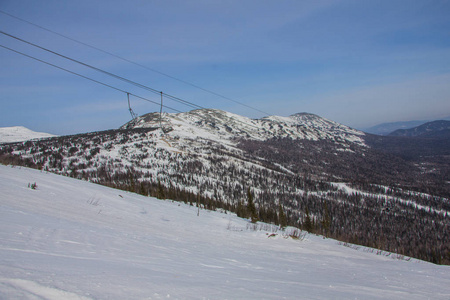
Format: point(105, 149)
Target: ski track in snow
point(349, 190)
point(71, 239)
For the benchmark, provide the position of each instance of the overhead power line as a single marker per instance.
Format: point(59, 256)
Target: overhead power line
point(88, 78)
point(177, 99)
point(135, 63)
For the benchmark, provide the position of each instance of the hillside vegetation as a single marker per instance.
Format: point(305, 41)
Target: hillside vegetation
point(315, 174)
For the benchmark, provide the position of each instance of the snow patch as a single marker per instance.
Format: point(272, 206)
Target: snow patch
point(20, 134)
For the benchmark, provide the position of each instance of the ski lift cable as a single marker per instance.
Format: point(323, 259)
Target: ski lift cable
point(88, 78)
point(185, 102)
point(135, 63)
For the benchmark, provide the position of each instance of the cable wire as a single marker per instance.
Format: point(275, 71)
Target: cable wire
point(135, 63)
point(88, 78)
point(177, 99)
point(107, 73)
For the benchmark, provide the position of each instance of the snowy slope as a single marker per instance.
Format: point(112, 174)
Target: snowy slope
point(19, 134)
point(71, 239)
point(218, 125)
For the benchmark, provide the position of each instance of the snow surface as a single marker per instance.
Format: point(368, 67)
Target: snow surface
point(70, 239)
point(20, 134)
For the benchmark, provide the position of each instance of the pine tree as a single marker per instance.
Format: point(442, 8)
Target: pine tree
point(307, 224)
point(282, 217)
point(131, 188)
point(160, 194)
point(326, 220)
point(142, 190)
point(240, 210)
point(251, 209)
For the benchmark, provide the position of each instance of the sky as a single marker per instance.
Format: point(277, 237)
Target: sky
point(359, 63)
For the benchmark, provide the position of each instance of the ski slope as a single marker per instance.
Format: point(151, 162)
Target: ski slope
point(70, 239)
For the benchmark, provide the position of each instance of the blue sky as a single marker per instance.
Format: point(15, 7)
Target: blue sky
point(359, 63)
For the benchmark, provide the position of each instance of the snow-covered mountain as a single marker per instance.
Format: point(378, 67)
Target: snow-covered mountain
point(226, 127)
point(71, 239)
point(19, 134)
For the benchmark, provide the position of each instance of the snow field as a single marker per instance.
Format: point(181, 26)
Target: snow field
point(19, 134)
point(71, 239)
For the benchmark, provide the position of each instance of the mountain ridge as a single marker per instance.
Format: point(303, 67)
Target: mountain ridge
point(228, 126)
point(389, 127)
point(439, 128)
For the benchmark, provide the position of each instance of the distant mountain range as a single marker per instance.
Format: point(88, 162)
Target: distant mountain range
point(19, 134)
point(427, 144)
point(387, 128)
point(430, 129)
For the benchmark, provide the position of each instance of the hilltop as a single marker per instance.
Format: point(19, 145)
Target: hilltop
point(19, 134)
